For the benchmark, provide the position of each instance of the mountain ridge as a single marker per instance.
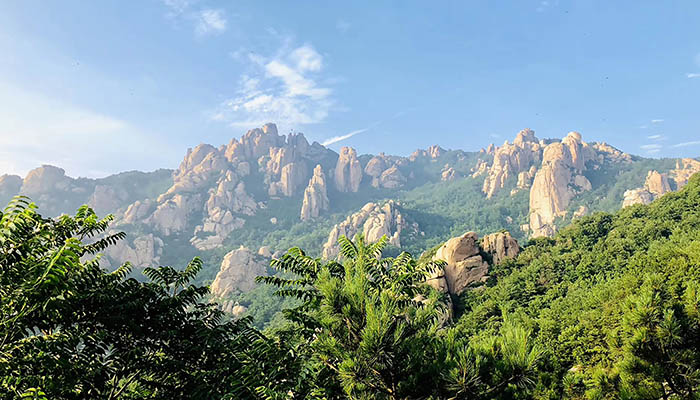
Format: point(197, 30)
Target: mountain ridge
point(270, 190)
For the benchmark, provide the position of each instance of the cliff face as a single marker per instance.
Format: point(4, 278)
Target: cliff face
point(238, 271)
point(348, 171)
point(557, 181)
point(315, 196)
point(510, 160)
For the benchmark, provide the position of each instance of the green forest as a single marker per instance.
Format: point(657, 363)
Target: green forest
point(609, 308)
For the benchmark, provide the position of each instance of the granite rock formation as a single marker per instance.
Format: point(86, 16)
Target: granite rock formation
point(238, 271)
point(315, 196)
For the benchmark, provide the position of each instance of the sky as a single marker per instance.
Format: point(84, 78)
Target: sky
point(99, 87)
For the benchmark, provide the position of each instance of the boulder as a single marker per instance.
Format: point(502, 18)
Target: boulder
point(464, 264)
point(500, 246)
point(238, 271)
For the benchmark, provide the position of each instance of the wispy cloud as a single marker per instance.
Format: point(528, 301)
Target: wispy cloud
point(692, 75)
point(657, 121)
point(656, 137)
point(686, 144)
point(211, 22)
point(336, 139)
point(651, 148)
point(284, 89)
point(206, 21)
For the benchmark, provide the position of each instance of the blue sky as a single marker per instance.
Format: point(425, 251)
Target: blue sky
point(99, 87)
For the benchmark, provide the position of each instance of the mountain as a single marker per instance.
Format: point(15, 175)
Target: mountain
point(268, 192)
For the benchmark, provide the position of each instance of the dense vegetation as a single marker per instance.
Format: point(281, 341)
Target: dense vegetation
point(609, 308)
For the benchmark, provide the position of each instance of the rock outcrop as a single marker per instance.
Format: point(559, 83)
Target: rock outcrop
point(557, 182)
point(500, 246)
point(464, 264)
point(238, 271)
point(348, 171)
point(655, 186)
point(448, 173)
point(106, 199)
point(433, 152)
point(315, 196)
point(685, 168)
point(510, 160)
point(143, 251)
point(208, 198)
point(373, 221)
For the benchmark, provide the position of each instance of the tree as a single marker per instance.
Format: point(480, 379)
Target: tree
point(369, 323)
point(71, 330)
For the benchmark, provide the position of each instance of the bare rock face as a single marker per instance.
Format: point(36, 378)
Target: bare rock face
point(448, 173)
point(392, 178)
point(197, 169)
point(348, 171)
point(433, 152)
point(511, 159)
point(254, 144)
point(374, 169)
point(480, 168)
point(315, 196)
point(657, 183)
point(464, 264)
point(238, 271)
point(501, 246)
point(557, 182)
point(172, 215)
point(143, 251)
point(138, 211)
point(637, 196)
point(41, 183)
point(655, 186)
point(685, 168)
point(373, 221)
point(106, 198)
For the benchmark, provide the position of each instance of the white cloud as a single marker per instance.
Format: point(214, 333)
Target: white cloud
point(282, 89)
point(692, 75)
point(657, 121)
point(336, 139)
point(211, 22)
point(656, 137)
point(686, 144)
point(206, 21)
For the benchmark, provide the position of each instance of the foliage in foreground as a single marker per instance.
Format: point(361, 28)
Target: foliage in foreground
point(70, 330)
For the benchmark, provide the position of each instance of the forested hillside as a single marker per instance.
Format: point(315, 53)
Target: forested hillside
point(609, 307)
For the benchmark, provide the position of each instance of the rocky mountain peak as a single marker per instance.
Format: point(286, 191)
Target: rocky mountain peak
point(509, 160)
